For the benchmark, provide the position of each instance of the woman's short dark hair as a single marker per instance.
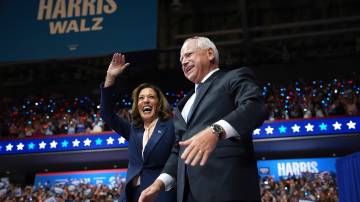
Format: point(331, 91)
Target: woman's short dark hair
point(164, 109)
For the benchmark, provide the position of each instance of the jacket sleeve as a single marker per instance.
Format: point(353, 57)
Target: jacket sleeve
point(171, 165)
point(107, 103)
point(250, 111)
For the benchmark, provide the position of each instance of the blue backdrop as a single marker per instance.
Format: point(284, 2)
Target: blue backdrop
point(107, 177)
point(294, 167)
point(55, 29)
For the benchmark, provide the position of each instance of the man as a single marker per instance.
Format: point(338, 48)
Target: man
point(213, 160)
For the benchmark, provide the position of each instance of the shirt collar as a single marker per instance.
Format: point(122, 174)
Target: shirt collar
point(207, 76)
point(152, 124)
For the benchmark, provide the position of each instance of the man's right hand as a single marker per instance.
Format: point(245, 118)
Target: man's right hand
point(150, 193)
point(115, 68)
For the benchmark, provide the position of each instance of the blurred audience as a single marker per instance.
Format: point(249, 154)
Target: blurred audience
point(309, 187)
point(74, 191)
point(319, 98)
point(51, 115)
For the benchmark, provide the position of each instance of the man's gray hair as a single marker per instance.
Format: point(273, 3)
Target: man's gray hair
point(205, 43)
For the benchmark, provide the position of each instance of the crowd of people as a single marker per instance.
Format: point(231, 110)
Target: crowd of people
point(50, 115)
point(81, 190)
point(308, 99)
point(309, 187)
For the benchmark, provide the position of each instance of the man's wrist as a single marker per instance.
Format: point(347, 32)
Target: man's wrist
point(218, 131)
point(159, 185)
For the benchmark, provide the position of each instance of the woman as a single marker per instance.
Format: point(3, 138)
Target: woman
point(150, 136)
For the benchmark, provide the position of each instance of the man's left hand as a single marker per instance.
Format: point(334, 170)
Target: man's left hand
point(199, 147)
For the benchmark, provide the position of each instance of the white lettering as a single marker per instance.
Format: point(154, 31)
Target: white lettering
point(43, 7)
point(83, 27)
point(73, 26)
point(289, 169)
point(281, 169)
point(296, 168)
point(58, 27)
point(99, 9)
point(59, 9)
point(303, 167)
point(74, 7)
point(88, 7)
point(97, 24)
point(111, 7)
point(314, 167)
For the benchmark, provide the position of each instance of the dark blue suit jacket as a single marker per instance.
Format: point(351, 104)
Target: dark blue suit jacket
point(230, 173)
point(156, 152)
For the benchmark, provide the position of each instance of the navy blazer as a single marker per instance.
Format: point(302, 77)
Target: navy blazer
point(156, 151)
point(230, 173)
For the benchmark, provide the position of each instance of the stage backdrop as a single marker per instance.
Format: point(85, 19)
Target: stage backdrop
point(56, 29)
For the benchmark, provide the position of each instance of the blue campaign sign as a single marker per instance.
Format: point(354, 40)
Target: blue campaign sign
point(75, 178)
point(295, 167)
point(56, 29)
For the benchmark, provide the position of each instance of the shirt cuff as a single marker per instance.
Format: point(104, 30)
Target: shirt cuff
point(167, 180)
point(229, 130)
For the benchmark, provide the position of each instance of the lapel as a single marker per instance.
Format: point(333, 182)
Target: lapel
point(138, 140)
point(180, 119)
point(179, 122)
point(156, 135)
point(201, 94)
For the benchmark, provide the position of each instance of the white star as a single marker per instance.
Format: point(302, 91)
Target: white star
point(76, 143)
point(121, 140)
point(110, 140)
point(257, 131)
point(269, 130)
point(351, 125)
point(87, 142)
point(53, 144)
point(295, 128)
point(309, 127)
point(20, 146)
point(42, 145)
point(9, 147)
point(337, 126)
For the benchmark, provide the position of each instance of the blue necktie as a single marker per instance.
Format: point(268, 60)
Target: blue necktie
point(197, 91)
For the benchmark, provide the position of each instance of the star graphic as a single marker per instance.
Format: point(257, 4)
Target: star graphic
point(323, 126)
point(20, 146)
point(98, 141)
point(87, 142)
point(269, 130)
point(53, 144)
point(256, 131)
point(42, 145)
point(309, 127)
point(9, 147)
point(295, 128)
point(351, 125)
point(31, 146)
point(282, 129)
point(0, 147)
point(337, 126)
point(110, 140)
point(76, 143)
point(121, 140)
point(64, 143)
